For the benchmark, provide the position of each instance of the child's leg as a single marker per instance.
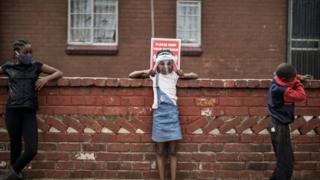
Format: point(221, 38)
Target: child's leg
point(13, 124)
point(30, 137)
point(284, 153)
point(173, 159)
point(160, 148)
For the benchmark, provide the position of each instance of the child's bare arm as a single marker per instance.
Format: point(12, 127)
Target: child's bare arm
point(142, 73)
point(52, 72)
point(190, 75)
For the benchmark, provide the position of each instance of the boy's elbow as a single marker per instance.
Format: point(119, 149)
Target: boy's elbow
point(60, 74)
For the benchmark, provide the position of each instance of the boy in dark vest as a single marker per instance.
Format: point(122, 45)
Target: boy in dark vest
point(286, 89)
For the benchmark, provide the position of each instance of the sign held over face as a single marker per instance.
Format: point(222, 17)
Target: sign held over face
point(157, 44)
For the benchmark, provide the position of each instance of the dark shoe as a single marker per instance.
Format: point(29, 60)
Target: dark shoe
point(11, 175)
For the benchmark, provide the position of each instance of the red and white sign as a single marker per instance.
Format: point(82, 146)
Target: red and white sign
point(157, 44)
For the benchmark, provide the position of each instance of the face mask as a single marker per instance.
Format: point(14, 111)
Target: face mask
point(24, 59)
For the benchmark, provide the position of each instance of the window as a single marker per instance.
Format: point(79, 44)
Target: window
point(304, 36)
point(189, 22)
point(93, 22)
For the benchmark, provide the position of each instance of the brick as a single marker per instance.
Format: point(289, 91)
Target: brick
point(233, 166)
point(302, 156)
point(310, 125)
point(145, 147)
point(307, 147)
point(227, 156)
point(132, 101)
point(58, 100)
point(186, 166)
point(265, 83)
point(100, 82)
point(212, 124)
point(248, 156)
point(139, 111)
point(63, 82)
point(75, 82)
point(109, 123)
point(126, 125)
point(255, 101)
point(223, 139)
point(308, 111)
point(81, 174)
point(236, 111)
point(131, 157)
point(230, 124)
point(56, 123)
point(206, 102)
point(35, 173)
point(260, 111)
point(305, 166)
point(114, 110)
point(93, 110)
point(73, 123)
point(187, 147)
point(80, 165)
point(58, 174)
point(199, 123)
point(204, 157)
point(47, 146)
point(230, 101)
point(245, 124)
point(107, 156)
point(64, 165)
point(57, 156)
point(43, 165)
point(261, 125)
point(254, 138)
point(90, 123)
point(229, 83)
point(102, 138)
point(118, 147)
point(189, 111)
point(42, 125)
point(253, 83)
point(94, 147)
point(87, 82)
point(129, 138)
point(140, 124)
point(217, 147)
point(68, 147)
point(211, 165)
point(257, 166)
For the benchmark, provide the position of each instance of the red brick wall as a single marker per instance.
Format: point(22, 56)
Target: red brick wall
point(100, 128)
point(240, 39)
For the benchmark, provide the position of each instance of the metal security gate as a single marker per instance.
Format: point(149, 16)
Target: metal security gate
point(304, 36)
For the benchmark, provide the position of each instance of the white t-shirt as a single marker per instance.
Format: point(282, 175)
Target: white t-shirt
point(167, 84)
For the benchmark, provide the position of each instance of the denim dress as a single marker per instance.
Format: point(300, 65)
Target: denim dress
point(166, 125)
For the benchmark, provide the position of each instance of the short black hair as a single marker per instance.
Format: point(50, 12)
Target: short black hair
point(19, 44)
point(163, 50)
point(286, 72)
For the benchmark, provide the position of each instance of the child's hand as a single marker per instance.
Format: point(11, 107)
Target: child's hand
point(306, 77)
point(180, 72)
point(151, 72)
point(41, 82)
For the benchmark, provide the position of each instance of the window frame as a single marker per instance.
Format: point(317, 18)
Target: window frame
point(92, 28)
point(198, 4)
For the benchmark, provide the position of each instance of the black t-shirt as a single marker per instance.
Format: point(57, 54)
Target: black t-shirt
point(22, 79)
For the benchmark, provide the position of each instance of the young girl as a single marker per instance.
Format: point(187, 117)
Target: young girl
point(20, 115)
point(166, 130)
